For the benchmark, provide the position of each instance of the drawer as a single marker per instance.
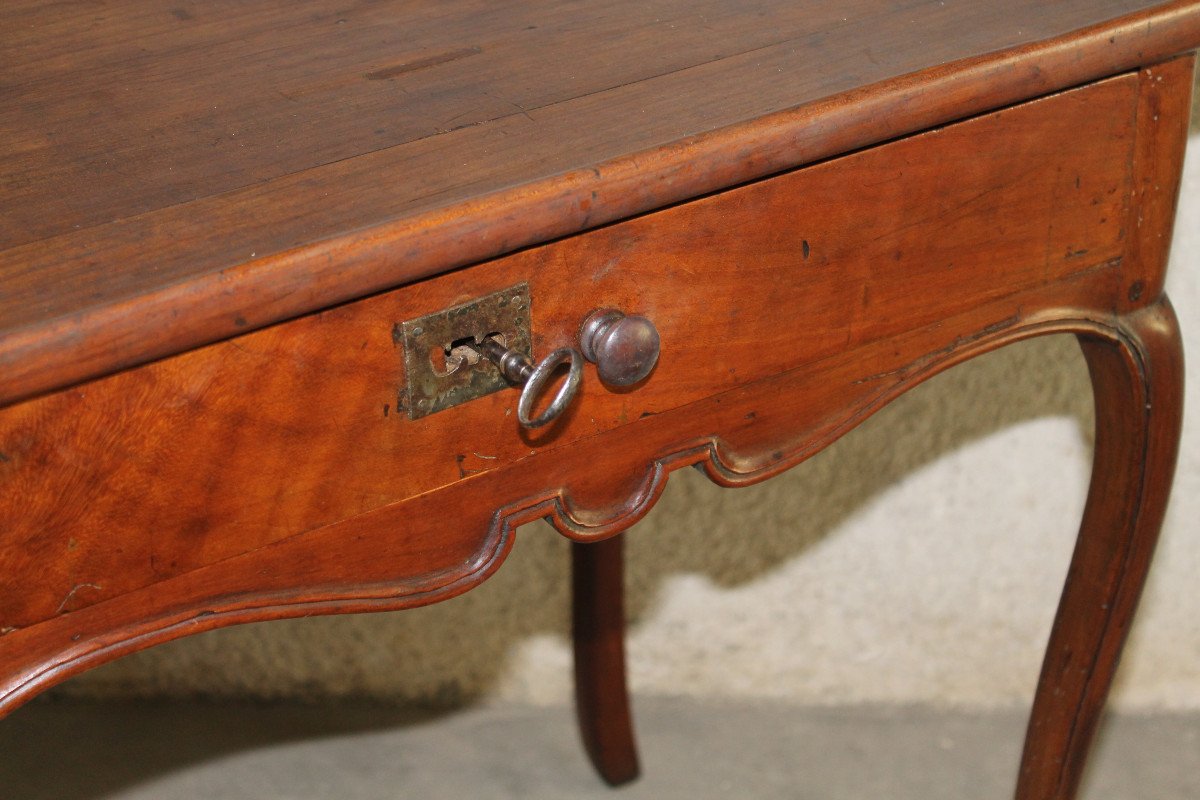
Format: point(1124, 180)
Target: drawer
point(278, 472)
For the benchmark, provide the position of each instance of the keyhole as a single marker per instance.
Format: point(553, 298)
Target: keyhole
point(446, 359)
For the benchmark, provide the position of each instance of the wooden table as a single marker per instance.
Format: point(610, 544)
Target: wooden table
point(222, 225)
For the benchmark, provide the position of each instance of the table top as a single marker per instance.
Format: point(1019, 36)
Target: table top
point(179, 173)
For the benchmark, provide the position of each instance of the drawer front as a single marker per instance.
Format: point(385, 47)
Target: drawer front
point(280, 467)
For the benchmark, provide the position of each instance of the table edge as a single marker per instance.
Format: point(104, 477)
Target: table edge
point(61, 352)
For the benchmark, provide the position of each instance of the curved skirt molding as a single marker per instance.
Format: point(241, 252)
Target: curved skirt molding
point(358, 565)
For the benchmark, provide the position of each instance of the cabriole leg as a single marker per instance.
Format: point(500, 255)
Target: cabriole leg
point(1137, 379)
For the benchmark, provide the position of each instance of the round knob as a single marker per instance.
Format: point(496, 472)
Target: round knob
point(624, 349)
point(539, 377)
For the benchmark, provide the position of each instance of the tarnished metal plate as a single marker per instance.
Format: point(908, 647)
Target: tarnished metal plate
point(440, 377)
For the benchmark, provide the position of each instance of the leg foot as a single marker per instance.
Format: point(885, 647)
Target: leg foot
point(1137, 379)
point(598, 633)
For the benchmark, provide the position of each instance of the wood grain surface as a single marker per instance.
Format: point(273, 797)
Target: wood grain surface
point(177, 174)
point(405, 554)
point(214, 216)
point(1137, 383)
point(234, 446)
point(273, 475)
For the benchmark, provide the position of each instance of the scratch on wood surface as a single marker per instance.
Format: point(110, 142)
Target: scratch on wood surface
point(464, 471)
point(936, 355)
point(421, 63)
point(71, 594)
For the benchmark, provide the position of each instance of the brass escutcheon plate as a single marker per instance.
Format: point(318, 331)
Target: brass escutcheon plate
point(437, 380)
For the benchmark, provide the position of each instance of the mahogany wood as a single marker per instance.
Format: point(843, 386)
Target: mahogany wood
point(147, 211)
point(598, 635)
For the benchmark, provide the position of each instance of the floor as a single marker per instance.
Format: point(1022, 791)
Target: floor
point(198, 751)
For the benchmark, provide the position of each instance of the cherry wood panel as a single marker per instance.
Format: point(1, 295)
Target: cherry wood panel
point(174, 178)
point(123, 482)
point(438, 544)
point(1164, 111)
